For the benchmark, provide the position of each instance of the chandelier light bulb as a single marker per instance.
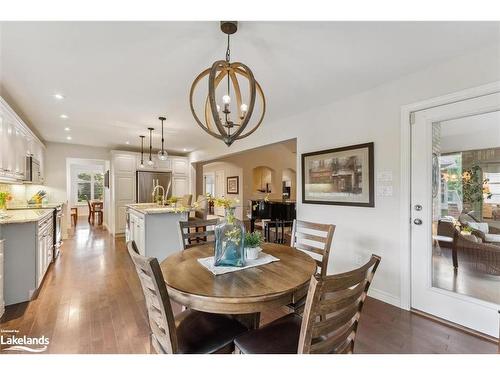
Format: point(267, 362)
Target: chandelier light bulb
point(150, 163)
point(141, 166)
point(218, 108)
point(244, 109)
point(226, 99)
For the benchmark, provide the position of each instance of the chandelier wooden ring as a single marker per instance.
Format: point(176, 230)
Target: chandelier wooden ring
point(213, 124)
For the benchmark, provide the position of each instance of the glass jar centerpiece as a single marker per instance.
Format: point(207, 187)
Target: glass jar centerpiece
point(229, 236)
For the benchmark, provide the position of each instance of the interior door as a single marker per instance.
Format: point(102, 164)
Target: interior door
point(455, 275)
point(220, 184)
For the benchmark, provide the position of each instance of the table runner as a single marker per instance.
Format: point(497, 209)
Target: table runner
point(263, 258)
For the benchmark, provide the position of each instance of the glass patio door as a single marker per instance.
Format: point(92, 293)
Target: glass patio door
point(455, 212)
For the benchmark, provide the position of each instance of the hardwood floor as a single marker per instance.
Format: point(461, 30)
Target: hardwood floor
point(465, 280)
point(91, 302)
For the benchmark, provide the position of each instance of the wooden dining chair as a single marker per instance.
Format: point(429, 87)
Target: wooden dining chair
point(316, 240)
point(190, 331)
point(94, 210)
point(192, 238)
point(74, 215)
point(338, 297)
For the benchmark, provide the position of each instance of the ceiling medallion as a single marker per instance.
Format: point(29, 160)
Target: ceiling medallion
point(225, 124)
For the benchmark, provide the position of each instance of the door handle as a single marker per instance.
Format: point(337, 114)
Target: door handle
point(417, 221)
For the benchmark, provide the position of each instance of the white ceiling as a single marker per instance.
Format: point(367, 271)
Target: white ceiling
point(471, 133)
point(117, 77)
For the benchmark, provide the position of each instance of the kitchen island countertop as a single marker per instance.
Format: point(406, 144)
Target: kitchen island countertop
point(152, 208)
point(24, 215)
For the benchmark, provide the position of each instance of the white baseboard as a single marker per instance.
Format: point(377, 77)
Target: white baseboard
point(385, 297)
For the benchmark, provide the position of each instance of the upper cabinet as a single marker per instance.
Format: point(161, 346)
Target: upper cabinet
point(17, 141)
point(180, 166)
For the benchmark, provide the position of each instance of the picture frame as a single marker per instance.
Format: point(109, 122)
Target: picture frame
point(340, 176)
point(233, 185)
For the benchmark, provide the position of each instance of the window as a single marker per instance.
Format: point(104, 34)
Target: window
point(89, 185)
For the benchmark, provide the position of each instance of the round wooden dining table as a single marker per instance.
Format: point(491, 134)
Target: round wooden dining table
point(246, 291)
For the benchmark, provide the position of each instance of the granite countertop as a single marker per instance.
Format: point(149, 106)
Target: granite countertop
point(33, 206)
point(24, 216)
point(153, 208)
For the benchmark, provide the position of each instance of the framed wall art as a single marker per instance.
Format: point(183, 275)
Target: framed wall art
point(232, 186)
point(340, 176)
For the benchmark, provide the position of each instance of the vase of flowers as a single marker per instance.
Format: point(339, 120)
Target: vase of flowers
point(229, 236)
point(4, 198)
point(252, 245)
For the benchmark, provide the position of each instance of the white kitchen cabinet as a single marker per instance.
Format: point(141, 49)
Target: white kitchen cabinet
point(44, 248)
point(158, 165)
point(8, 149)
point(20, 153)
point(122, 186)
point(136, 230)
point(164, 165)
point(2, 301)
point(16, 142)
point(180, 166)
point(180, 186)
point(40, 259)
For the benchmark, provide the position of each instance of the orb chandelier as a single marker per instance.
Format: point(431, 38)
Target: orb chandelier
point(229, 119)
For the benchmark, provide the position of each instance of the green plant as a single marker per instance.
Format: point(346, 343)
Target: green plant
point(474, 186)
point(4, 198)
point(173, 200)
point(253, 239)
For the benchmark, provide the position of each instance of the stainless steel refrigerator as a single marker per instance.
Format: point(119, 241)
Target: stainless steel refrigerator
point(146, 181)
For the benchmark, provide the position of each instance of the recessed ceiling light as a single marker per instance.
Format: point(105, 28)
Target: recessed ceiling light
point(58, 96)
point(67, 129)
point(68, 138)
point(63, 116)
point(127, 143)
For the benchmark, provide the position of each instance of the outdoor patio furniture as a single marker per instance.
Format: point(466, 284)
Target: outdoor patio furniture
point(482, 257)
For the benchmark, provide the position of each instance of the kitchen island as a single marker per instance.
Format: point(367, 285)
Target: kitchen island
point(155, 229)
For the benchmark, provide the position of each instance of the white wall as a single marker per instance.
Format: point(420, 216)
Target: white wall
point(373, 115)
point(55, 169)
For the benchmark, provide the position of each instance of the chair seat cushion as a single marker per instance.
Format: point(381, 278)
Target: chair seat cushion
point(278, 337)
point(203, 333)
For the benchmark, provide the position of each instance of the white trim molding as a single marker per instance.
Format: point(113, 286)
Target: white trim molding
point(385, 297)
point(405, 202)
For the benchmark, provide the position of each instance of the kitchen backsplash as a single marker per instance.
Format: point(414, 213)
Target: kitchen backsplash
point(21, 193)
